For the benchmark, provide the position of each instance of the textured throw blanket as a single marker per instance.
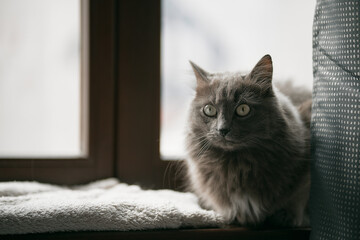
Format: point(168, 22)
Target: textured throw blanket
point(31, 207)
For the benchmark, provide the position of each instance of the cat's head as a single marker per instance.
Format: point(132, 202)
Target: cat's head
point(230, 110)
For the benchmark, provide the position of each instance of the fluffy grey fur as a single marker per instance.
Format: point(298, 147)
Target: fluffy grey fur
point(253, 168)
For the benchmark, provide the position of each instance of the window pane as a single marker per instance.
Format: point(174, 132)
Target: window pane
point(40, 78)
point(227, 35)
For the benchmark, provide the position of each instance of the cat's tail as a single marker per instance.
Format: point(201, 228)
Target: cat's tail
point(305, 112)
point(298, 94)
point(300, 97)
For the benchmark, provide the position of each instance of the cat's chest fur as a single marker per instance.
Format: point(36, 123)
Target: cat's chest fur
point(233, 185)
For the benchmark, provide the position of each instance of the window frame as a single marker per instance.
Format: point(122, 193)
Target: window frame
point(121, 62)
point(137, 157)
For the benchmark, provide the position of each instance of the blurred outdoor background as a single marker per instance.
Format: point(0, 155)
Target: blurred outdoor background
point(39, 78)
point(40, 62)
point(227, 35)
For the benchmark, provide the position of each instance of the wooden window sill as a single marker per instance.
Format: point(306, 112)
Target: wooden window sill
point(188, 234)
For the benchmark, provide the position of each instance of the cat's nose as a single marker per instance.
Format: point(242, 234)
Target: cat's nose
point(223, 131)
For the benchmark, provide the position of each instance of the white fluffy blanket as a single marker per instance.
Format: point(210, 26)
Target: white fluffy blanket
point(32, 207)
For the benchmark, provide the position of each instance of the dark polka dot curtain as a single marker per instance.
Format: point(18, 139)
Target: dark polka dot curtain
point(335, 190)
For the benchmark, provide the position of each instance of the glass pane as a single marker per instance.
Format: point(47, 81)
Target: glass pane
point(40, 78)
point(227, 35)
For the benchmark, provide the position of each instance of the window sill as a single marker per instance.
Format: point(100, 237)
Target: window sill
point(189, 234)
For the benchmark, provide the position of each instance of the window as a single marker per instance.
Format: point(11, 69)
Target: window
point(40, 79)
point(122, 64)
point(97, 68)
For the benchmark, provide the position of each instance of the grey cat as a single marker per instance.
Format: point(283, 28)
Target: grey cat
point(248, 147)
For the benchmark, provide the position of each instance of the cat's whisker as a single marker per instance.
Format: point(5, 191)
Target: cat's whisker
point(200, 139)
point(203, 148)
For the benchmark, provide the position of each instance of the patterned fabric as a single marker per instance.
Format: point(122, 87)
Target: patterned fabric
point(335, 191)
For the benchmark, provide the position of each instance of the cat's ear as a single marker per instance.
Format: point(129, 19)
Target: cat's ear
point(263, 71)
point(200, 74)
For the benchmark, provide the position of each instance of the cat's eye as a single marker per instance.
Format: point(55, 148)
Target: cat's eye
point(242, 110)
point(210, 110)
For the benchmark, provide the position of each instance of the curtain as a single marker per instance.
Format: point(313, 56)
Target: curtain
point(335, 127)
